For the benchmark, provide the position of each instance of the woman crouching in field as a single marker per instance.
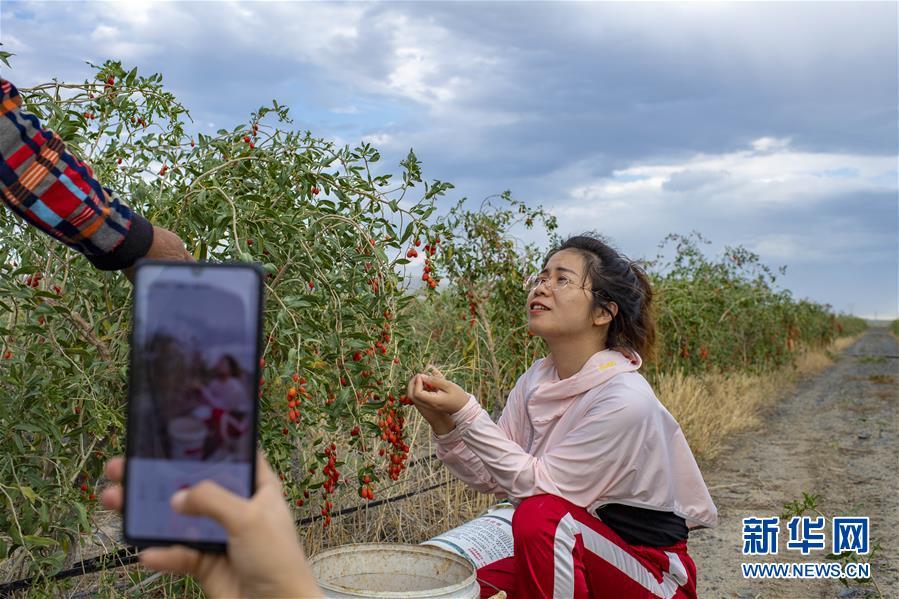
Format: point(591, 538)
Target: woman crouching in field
point(605, 484)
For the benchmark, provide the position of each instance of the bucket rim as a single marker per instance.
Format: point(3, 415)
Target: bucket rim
point(407, 547)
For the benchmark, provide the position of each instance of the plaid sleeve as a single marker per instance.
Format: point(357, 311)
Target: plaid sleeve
point(56, 193)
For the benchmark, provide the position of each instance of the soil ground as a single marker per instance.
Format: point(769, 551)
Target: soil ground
point(835, 435)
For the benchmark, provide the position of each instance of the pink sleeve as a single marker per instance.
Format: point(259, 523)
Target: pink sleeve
point(591, 458)
point(461, 461)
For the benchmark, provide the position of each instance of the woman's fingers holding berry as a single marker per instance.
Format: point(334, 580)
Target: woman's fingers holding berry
point(435, 371)
point(423, 395)
point(410, 390)
point(436, 383)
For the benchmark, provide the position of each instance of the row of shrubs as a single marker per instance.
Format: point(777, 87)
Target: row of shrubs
point(724, 313)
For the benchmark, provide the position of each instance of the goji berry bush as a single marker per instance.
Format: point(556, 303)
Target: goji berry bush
point(729, 314)
point(721, 314)
point(347, 321)
point(334, 232)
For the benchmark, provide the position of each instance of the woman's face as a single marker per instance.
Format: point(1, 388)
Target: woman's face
point(567, 311)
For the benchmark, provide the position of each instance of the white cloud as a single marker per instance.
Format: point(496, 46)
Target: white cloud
point(837, 246)
point(768, 144)
point(411, 73)
point(11, 41)
point(137, 13)
point(794, 36)
point(104, 33)
point(376, 48)
point(746, 178)
point(379, 140)
point(110, 41)
point(741, 197)
point(692, 180)
point(785, 248)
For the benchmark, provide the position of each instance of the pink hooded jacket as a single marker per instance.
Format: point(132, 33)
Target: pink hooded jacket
point(597, 437)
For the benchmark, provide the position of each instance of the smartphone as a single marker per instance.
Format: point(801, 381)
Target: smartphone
point(192, 397)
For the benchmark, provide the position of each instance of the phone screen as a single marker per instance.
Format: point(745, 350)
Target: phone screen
point(192, 400)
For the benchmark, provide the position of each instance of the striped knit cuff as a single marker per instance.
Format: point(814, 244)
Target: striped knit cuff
point(134, 247)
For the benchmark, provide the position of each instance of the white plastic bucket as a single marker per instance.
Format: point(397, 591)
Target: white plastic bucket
point(482, 541)
point(393, 571)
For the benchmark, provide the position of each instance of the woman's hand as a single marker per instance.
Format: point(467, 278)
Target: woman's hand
point(440, 423)
point(264, 556)
point(436, 398)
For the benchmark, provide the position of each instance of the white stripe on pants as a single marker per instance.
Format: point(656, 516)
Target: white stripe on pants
point(563, 565)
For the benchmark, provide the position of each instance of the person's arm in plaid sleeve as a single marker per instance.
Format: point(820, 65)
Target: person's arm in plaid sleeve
point(56, 193)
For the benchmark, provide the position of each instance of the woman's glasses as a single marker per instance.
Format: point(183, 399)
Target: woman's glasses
point(558, 284)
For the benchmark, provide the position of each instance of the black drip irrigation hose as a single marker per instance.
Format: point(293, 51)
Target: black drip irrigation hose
point(376, 503)
point(128, 555)
point(123, 557)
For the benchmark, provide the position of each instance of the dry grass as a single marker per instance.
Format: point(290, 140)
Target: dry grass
point(712, 407)
point(843, 342)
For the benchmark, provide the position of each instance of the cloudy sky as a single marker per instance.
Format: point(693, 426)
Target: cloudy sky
point(772, 126)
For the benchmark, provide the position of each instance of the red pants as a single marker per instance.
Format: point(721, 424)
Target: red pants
point(563, 551)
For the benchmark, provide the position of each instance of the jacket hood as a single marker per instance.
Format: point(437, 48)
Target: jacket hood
point(601, 367)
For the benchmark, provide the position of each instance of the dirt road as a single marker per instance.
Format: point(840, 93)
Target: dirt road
point(836, 435)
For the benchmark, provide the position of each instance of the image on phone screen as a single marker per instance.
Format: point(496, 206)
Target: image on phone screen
point(192, 404)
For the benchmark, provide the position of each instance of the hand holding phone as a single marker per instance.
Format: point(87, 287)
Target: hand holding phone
point(192, 409)
point(264, 559)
